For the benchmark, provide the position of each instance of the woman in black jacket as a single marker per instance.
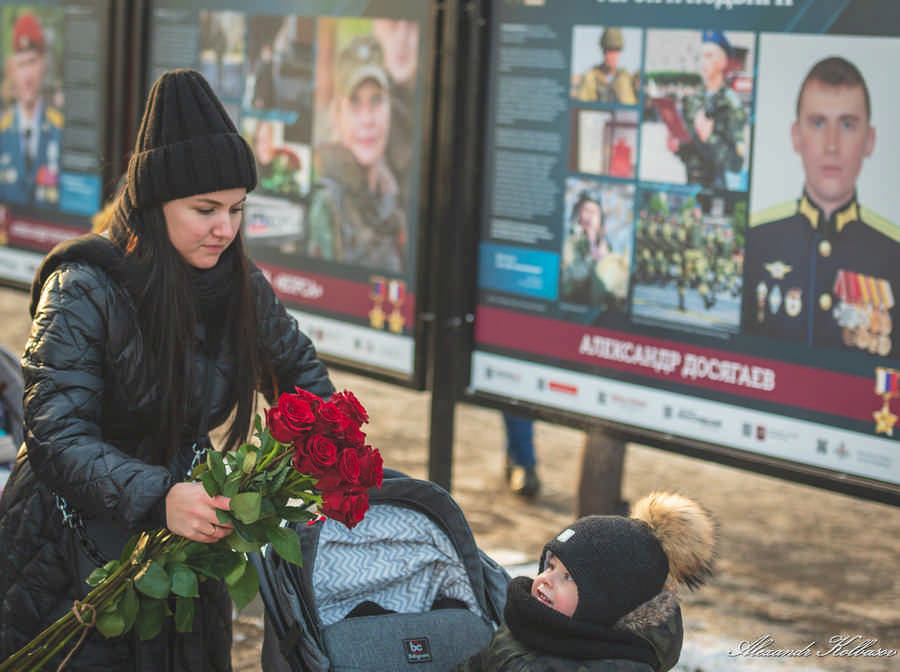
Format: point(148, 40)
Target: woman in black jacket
point(142, 339)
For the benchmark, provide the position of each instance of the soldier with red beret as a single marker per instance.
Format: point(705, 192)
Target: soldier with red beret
point(31, 129)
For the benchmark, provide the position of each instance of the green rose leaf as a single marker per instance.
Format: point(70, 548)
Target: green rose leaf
point(216, 466)
point(245, 589)
point(111, 624)
point(239, 544)
point(224, 516)
point(232, 484)
point(184, 581)
point(249, 462)
point(150, 618)
point(100, 574)
point(153, 581)
point(199, 470)
point(287, 544)
point(246, 506)
point(235, 573)
point(184, 614)
point(209, 484)
point(295, 514)
point(128, 605)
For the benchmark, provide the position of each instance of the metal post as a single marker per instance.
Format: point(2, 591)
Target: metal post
point(452, 265)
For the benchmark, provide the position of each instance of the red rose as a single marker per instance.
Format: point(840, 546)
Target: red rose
point(345, 506)
point(315, 456)
point(330, 419)
point(278, 428)
point(310, 398)
point(348, 465)
point(354, 438)
point(291, 419)
point(349, 405)
point(331, 480)
point(371, 468)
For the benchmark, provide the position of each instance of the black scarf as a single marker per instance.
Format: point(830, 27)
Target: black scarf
point(545, 630)
point(212, 287)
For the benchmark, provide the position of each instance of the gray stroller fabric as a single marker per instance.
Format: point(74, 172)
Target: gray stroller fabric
point(398, 559)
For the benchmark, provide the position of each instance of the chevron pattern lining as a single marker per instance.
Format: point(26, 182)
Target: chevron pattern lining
point(395, 557)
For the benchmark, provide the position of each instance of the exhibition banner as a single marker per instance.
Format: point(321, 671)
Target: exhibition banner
point(689, 204)
point(53, 126)
point(331, 96)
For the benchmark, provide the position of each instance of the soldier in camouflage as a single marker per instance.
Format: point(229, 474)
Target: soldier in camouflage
point(715, 119)
point(607, 82)
point(354, 215)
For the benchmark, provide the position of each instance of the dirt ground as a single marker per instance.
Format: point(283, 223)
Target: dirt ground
point(797, 564)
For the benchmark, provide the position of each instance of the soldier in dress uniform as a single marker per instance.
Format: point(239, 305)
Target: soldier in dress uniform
point(823, 270)
point(715, 119)
point(607, 82)
point(30, 130)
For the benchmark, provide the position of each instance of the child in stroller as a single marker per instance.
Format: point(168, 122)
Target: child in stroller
point(406, 585)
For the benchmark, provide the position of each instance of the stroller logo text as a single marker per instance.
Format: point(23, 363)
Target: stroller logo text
point(417, 650)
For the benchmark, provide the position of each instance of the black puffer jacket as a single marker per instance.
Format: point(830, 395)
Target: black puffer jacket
point(86, 411)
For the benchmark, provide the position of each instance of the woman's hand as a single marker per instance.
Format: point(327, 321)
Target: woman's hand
point(191, 513)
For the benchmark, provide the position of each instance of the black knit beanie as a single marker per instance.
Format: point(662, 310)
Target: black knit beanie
point(187, 144)
point(616, 562)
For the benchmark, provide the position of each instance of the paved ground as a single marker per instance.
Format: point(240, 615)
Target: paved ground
point(798, 565)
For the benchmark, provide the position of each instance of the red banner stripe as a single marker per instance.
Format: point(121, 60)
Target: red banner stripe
point(793, 385)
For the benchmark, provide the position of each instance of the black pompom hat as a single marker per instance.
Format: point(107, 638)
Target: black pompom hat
point(617, 564)
point(186, 144)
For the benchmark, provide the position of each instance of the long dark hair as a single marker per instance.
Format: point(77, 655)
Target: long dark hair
point(159, 280)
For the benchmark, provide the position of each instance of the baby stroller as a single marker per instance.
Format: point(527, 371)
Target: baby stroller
point(408, 585)
point(11, 390)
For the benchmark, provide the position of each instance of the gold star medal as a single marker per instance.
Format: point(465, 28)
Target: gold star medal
point(884, 421)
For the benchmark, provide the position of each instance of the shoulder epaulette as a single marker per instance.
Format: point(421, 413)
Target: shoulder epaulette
point(55, 117)
point(6, 120)
point(774, 213)
point(879, 223)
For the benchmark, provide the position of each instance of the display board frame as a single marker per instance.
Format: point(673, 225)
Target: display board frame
point(510, 366)
point(77, 169)
point(348, 341)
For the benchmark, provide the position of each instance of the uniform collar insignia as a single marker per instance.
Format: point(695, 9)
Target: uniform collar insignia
point(809, 210)
point(778, 269)
point(849, 213)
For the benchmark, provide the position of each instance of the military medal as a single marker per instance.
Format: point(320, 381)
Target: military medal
point(397, 296)
point(377, 292)
point(761, 292)
point(887, 386)
point(775, 299)
point(793, 301)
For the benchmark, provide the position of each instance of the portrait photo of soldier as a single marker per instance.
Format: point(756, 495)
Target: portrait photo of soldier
point(355, 212)
point(696, 119)
point(821, 268)
point(596, 245)
point(31, 124)
point(606, 64)
point(688, 260)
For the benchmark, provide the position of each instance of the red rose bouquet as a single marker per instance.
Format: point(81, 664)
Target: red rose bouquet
point(310, 459)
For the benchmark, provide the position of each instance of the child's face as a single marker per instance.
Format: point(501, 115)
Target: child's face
point(555, 588)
